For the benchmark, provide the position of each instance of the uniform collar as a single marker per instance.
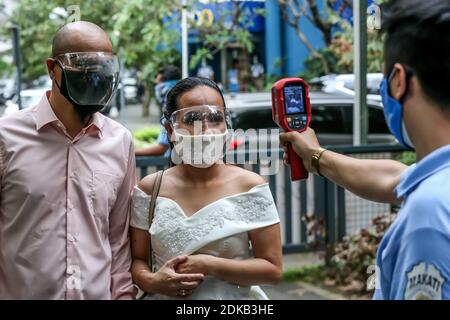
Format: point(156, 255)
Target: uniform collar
point(44, 115)
point(436, 161)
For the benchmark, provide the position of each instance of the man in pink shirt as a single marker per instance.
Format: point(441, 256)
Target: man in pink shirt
point(66, 175)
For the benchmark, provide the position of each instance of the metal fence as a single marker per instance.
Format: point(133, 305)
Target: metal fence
point(338, 211)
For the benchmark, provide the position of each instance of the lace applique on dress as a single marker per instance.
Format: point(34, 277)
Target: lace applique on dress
point(174, 234)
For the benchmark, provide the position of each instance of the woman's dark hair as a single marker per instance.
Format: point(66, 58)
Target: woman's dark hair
point(184, 86)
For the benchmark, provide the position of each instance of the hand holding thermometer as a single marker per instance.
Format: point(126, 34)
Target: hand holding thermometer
point(291, 111)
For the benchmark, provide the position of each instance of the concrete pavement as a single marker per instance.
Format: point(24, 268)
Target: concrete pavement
point(132, 117)
point(300, 290)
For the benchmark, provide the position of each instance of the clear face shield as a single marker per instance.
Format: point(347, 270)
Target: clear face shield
point(201, 135)
point(89, 78)
point(201, 120)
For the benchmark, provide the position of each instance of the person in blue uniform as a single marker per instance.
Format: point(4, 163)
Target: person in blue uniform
point(413, 259)
point(165, 80)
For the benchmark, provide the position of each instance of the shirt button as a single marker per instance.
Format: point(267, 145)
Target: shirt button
point(71, 238)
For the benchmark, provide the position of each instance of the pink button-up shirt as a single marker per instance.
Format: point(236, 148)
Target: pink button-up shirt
point(64, 207)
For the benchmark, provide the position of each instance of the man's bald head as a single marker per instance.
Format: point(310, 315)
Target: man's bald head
point(80, 36)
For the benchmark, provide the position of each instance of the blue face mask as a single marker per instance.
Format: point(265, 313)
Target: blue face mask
point(393, 112)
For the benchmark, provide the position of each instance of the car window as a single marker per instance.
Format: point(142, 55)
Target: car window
point(377, 123)
point(253, 119)
point(327, 119)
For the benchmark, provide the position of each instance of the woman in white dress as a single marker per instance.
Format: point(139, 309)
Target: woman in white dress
point(206, 213)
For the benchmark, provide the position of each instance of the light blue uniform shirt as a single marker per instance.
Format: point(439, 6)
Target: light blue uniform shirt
point(414, 256)
point(163, 139)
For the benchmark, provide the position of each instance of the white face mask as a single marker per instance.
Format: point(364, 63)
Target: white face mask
point(200, 151)
point(406, 136)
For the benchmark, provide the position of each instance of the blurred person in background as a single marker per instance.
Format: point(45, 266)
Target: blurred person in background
point(166, 78)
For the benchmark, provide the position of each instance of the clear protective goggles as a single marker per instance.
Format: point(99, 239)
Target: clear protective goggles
point(91, 77)
point(201, 120)
point(105, 62)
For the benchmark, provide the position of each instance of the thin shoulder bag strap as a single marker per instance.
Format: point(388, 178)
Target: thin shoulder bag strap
point(151, 210)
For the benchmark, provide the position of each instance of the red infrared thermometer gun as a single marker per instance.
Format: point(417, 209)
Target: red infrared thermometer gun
point(291, 111)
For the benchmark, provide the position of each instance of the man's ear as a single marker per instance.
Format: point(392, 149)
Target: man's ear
point(51, 65)
point(398, 83)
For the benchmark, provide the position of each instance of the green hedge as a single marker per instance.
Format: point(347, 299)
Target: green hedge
point(145, 137)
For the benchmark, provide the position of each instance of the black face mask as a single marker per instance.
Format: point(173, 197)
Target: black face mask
point(88, 91)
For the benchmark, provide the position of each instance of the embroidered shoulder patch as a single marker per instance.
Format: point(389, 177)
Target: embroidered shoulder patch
point(425, 282)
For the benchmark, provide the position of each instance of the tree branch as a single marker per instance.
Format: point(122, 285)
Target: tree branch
point(286, 5)
point(320, 23)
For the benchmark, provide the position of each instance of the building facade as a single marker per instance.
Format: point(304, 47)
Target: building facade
point(276, 43)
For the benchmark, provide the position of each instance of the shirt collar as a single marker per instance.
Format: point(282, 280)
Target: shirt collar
point(96, 125)
point(436, 161)
point(44, 115)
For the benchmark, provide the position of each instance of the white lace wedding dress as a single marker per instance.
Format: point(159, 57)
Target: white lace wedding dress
point(220, 229)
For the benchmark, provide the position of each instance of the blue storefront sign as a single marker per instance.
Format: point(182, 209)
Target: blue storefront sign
point(209, 14)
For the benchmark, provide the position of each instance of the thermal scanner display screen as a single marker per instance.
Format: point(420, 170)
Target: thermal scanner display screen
point(294, 100)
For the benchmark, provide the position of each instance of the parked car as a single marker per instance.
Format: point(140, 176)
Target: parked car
point(332, 116)
point(7, 90)
point(345, 84)
point(41, 82)
point(30, 98)
point(130, 89)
